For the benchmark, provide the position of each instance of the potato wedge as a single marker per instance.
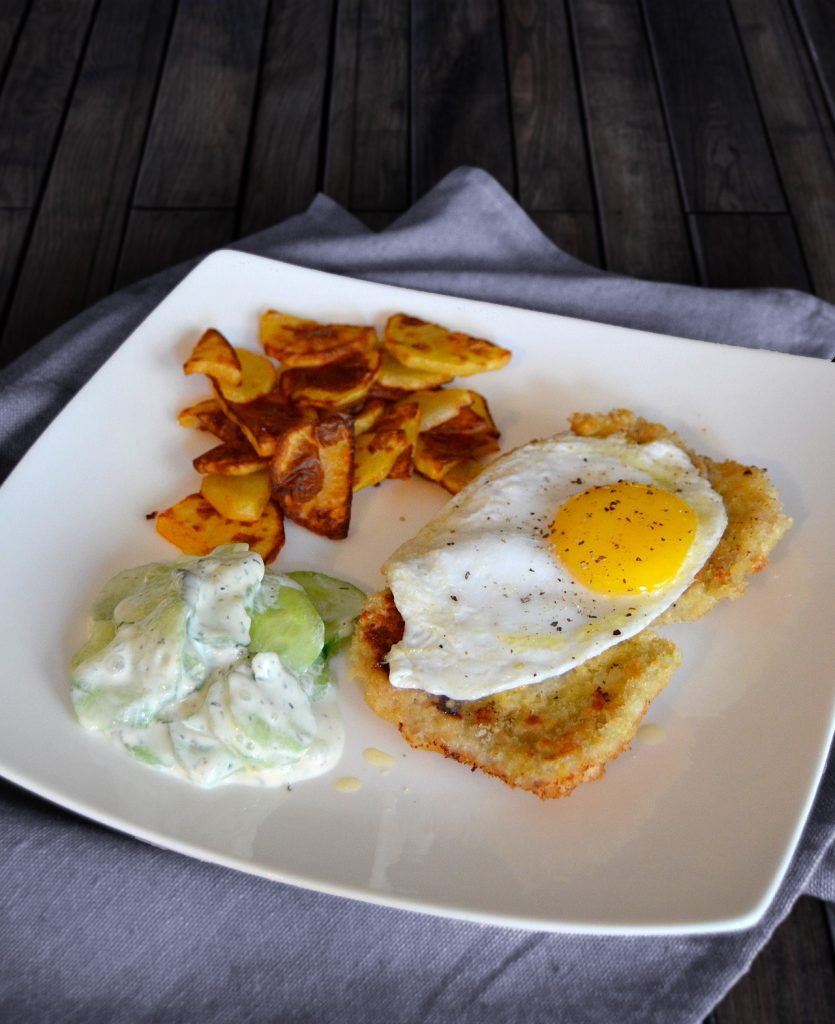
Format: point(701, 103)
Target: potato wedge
point(295, 342)
point(258, 376)
point(242, 498)
point(312, 473)
point(195, 527)
point(214, 356)
point(236, 459)
point(208, 415)
point(425, 346)
point(336, 385)
point(264, 420)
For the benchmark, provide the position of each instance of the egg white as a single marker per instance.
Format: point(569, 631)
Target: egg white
point(486, 603)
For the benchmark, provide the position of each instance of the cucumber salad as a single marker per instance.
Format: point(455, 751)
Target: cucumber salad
point(217, 669)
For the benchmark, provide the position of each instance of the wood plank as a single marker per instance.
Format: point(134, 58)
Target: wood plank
point(792, 979)
point(817, 22)
point(199, 134)
point(377, 220)
point(739, 250)
point(830, 921)
point(12, 13)
point(367, 162)
point(574, 233)
point(157, 239)
point(283, 170)
point(641, 220)
point(717, 133)
point(798, 124)
point(460, 106)
point(35, 95)
point(550, 143)
point(85, 204)
point(13, 225)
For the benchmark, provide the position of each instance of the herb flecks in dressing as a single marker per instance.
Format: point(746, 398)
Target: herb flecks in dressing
point(173, 673)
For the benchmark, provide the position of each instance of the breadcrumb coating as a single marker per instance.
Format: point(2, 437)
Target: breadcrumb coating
point(546, 738)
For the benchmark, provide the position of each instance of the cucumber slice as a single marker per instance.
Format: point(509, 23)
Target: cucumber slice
point(154, 580)
point(261, 713)
point(139, 672)
point(339, 603)
point(101, 633)
point(285, 622)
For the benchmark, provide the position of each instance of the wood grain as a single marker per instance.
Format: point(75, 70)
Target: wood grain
point(367, 165)
point(574, 233)
point(76, 239)
point(157, 239)
point(197, 143)
point(551, 156)
point(749, 250)
point(642, 224)
point(719, 142)
point(817, 22)
point(792, 979)
point(799, 127)
point(35, 95)
point(287, 140)
point(12, 14)
point(460, 106)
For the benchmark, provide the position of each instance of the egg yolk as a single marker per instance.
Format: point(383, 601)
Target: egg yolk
point(623, 538)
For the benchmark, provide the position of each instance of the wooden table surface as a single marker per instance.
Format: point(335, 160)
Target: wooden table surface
point(679, 140)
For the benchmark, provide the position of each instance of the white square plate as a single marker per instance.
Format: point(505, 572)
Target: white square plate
point(692, 834)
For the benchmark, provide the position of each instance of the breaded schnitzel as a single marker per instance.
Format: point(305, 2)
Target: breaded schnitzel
point(549, 737)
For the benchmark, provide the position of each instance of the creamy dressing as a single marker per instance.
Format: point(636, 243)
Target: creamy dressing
point(169, 675)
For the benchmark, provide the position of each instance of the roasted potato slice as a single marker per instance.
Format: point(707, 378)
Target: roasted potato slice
point(430, 462)
point(214, 356)
point(197, 528)
point(394, 377)
point(312, 472)
point(368, 415)
point(438, 450)
point(264, 420)
point(459, 474)
point(258, 377)
point(445, 468)
point(403, 420)
point(336, 385)
point(375, 456)
point(242, 498)
point(236, 459)
point(439, 406)
point(295, 342)
point(208, 415)
point(386, 450)
point(425, 346)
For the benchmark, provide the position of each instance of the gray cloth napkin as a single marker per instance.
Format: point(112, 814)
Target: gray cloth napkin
point(96, 926)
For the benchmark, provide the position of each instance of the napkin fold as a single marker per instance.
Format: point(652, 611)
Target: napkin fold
point(97, 926)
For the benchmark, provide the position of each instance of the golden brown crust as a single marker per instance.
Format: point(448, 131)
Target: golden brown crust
point(546, 738)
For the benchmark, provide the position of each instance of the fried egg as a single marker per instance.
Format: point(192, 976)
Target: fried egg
point(554, 553)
